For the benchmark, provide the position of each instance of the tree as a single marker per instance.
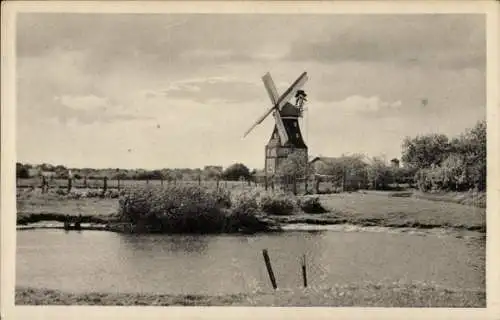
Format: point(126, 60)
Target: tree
point(212, 173)
point(295, 165)
point(404, 175)
point(425, 151)
point(348, 171)
point(46, 167)
point(379, 174)
point(21, 171)
point(395, 162)
point(472, 146)
point(235, 171)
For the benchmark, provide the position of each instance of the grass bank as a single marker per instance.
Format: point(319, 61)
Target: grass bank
point(358, 295)
point(384, 210)
point(375, 210)
point(474, 199)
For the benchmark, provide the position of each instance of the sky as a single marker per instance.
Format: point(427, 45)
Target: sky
point(179, 90)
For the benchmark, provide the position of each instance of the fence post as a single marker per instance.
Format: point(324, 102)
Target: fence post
point(105, 186)
point(343, 179)
point(304, 271)
point(85, 182)
point(294, 184)
point(161, 181)
point(118, 184)
point(217, 183)
point(69, 184)
point(269, 268)
point(44, 184)
point(199, 180)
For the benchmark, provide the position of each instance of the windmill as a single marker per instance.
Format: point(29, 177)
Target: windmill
point(286, 137)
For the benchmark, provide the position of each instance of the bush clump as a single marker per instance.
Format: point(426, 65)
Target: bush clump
point(186, 209)
point(311, 204)
point(189, 209)
point(245, 212)
point(277, 203)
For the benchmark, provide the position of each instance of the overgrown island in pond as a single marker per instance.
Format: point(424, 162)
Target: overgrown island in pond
point(189, 209)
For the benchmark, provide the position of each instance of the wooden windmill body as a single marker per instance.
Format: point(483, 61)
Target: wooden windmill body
point(286, 137)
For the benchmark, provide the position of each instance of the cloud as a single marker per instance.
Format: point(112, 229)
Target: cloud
point(368, 106)
point(87, 109)
point(218, 56)
point(89, 102)
point(210, 89)
point(368, 74)
point(450, 41)
point(146, 41)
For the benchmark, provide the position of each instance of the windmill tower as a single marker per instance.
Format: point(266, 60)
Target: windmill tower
point(286, 137)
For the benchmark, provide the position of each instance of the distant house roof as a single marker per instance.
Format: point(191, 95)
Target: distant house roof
point(213, 167)
point(329, 159)
point(324, 159)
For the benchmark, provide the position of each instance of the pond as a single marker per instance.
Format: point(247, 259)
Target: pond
point(111, 262)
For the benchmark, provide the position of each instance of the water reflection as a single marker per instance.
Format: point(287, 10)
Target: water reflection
point(194, 244)
point(101, 261)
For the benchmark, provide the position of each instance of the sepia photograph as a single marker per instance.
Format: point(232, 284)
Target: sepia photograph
point(191, 159)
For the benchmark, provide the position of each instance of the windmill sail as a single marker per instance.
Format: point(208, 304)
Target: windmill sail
point(290, 92)
point(281, 127)
point(271, 88)
point(278, 102)
point(259, 121)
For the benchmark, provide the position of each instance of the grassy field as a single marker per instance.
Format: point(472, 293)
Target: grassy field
point(359, 295)
point(378, 210)
point(112, 184)
point(365, 209)
point(351, 208)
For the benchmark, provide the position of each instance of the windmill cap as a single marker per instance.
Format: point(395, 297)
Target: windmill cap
point(289, 110)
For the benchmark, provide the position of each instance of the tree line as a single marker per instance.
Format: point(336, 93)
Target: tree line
point(236, 171)
point(443, 163)
point(431, 162)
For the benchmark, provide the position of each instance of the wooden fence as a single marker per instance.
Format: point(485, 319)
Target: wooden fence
point(296, 185)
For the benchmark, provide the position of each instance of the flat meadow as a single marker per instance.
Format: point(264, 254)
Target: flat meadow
point(368, 208)
point(395, 210)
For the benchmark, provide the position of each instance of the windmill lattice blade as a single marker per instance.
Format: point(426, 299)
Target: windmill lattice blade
point(271, 88)
point(259, 121)
point(301, 80)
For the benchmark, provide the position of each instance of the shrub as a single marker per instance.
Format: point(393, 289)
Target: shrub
point(244, 213)
point(222, 197)
point(75, 195)
point(61, 192)
point(451, 175)
point(277, 203)
point(112, 194)
point(178, 208)
point(311, 204)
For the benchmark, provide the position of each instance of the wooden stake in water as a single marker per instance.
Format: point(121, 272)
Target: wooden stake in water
point(304, 272)
point(269, 268)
